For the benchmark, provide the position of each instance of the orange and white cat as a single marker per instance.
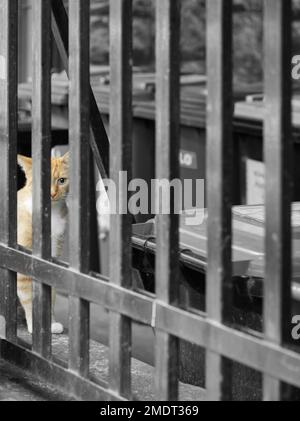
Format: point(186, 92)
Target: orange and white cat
point(59, 213)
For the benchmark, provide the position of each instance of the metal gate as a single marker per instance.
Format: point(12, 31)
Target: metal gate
point(223, 343)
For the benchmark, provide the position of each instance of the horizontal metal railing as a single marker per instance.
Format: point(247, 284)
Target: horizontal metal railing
point(267, 352)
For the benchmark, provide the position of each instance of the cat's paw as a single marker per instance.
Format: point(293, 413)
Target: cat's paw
point(57, 328)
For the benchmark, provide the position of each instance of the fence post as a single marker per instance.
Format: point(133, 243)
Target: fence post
point(219, 183)
point(41, 148)
point(279, 177)
point(121, 161)
point(8, 153)
point(98, 140)
point(80, 172)
point(167, 167)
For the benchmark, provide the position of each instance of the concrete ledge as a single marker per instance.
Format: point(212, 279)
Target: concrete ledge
point(142, 374)
point(18, 385)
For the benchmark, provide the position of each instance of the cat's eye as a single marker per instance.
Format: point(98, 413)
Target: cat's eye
point(61, 181)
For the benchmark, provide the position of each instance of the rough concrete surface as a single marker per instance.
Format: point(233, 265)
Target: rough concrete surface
point(18, 385)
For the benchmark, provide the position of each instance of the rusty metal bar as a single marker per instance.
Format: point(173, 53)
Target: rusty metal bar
point(80, 172)
point(279, 177)
point(8, 153)
point(219, 184)
point(41, 171)
point(120, 164)
point(167, 167)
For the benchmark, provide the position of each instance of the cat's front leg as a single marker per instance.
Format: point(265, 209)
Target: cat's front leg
point(57, 247)
point(24, 290)
point(56, 328)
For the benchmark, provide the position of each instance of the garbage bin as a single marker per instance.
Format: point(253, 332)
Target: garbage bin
point(248, 272)
point(249, 115)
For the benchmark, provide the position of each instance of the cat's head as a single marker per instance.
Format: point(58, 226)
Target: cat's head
point(59, 175)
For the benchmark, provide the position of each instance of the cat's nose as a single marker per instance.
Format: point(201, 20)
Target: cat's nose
point(53, 194)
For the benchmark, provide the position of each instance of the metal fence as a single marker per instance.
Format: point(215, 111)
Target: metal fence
point(266, 353)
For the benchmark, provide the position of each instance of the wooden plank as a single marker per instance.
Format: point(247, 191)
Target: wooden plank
point(80, 172)
point(121, 161)
point(98, 140)
point(8, 152)
point(41, 150)
point(167, 167)
point(219, 181)
point(279, 178)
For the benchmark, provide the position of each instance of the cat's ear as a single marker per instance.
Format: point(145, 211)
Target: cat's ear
point(66, 158)
point(25, 163)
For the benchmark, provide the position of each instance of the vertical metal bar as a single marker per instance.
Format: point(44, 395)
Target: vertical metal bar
point(167, 167)
point(41, 146)
point(8, 153)
point(120, 161)
point(98, 140)
point(79, 132)
point(279, 176)
point(219, 183)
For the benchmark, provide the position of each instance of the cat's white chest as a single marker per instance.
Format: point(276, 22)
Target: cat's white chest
point(58, 223)
point(28, 205)
point(58, 228)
